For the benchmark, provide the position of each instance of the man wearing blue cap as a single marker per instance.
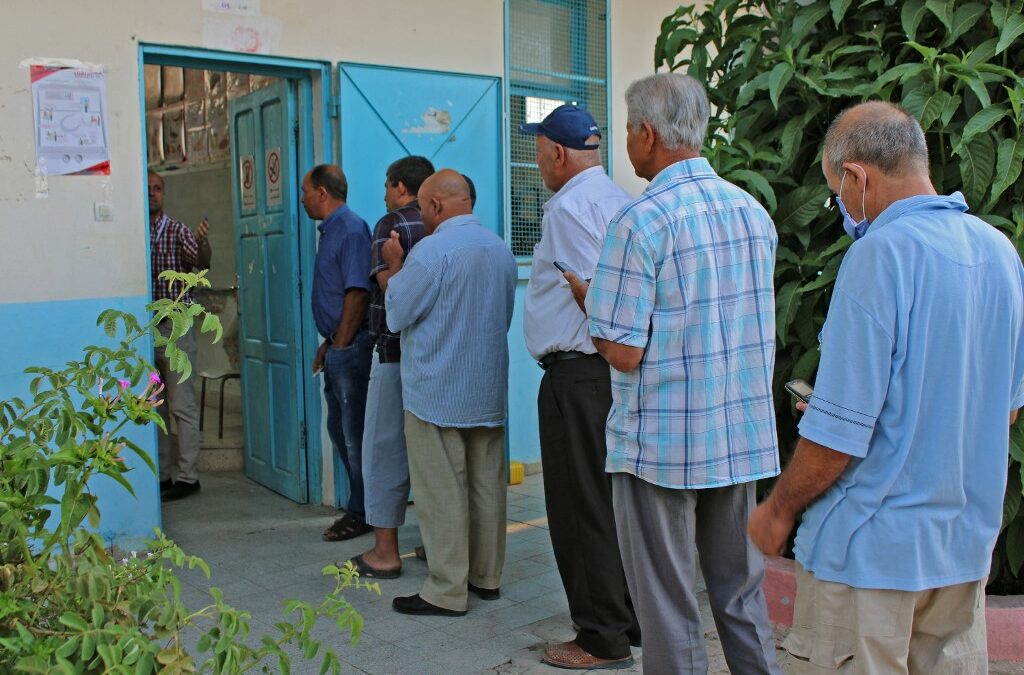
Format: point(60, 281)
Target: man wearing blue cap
point(575, 393)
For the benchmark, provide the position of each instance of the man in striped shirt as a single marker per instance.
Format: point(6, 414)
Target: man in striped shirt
point(173, 246)
point(452, 301)
point(681, 306)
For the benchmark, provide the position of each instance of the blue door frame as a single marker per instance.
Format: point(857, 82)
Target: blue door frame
point(303, 72)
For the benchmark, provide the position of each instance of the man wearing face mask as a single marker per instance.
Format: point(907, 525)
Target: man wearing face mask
point(902, 460)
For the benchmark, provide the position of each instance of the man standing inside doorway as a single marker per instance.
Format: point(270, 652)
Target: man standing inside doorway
point(575, 394)
point(385, 462)
point(452, 300)
point(173, 246)
point(341, 285)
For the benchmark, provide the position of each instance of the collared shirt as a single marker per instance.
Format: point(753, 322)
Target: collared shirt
point(452, 302)
point(172, 246)
point(575, 221)
point(922, 360)
point(342, 262)
point(408, 223)
point(686, 275)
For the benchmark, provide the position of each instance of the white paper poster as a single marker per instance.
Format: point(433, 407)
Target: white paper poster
point(273, 177)
point(71, 123)
point(247, 179)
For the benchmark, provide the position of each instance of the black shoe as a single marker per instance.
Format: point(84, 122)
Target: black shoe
point(179, 490)
point(166, 485)
point(414, 604)
point(485, 593)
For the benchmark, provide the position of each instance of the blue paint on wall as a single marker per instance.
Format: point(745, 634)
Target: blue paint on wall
point(50, 334)
point(523, 382)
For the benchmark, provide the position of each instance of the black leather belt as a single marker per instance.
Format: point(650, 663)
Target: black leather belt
point(552, 358)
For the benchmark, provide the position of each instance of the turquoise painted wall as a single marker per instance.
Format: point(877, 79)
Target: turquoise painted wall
point(523, 381)
point(50, 334)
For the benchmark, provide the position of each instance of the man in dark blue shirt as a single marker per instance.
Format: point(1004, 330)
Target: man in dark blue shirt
point(341, 284)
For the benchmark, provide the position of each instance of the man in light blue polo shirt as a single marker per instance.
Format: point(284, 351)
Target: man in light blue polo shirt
point(903, 454)
point(452, 302)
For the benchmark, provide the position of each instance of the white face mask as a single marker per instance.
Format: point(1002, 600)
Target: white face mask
point(855, 229)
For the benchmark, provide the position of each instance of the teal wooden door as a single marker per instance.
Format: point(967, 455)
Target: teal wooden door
point(265, 185)
point(451, 119)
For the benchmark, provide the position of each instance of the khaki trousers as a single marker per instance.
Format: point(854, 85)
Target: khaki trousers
point(838, 628)
point(458, 481)
point(179, 463)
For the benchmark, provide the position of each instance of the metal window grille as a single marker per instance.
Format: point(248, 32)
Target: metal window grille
point(557, 54)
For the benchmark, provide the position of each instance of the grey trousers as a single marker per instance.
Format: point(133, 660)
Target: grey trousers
point(179, 463)
point(661, 532)
point(458, 479)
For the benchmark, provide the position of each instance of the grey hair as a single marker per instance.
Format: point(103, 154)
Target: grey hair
point(675, 105)
point(884, 135)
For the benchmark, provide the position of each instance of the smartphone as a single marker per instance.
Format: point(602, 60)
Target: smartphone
point(800, 389)
point(563, 267)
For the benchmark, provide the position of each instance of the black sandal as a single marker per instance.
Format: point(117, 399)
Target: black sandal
point(345, 528)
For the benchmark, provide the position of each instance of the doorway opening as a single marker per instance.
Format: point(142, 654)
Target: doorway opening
point(230, 135)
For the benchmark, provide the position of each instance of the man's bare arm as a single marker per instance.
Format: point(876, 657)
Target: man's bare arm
point(356, 300)
point(621, 357)
point(811, 471)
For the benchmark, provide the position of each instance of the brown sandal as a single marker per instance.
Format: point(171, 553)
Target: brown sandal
point(345, 528)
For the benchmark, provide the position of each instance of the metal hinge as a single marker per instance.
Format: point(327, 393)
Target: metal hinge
point(335, 107)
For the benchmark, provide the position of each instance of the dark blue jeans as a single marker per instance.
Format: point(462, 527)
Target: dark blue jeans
point(346, 375)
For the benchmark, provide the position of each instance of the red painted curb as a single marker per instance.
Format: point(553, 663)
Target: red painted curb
point(1004, 614)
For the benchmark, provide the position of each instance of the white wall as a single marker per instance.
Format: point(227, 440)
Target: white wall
point(89, 259)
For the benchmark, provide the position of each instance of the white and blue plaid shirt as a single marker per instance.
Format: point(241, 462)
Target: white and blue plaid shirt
point(686, 275)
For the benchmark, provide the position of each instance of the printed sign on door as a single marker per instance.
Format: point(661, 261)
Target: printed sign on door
point(273, 177)
point(247, 178)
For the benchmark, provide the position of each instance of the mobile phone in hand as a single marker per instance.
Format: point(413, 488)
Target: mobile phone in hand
point(563, 267)
point(800, 389)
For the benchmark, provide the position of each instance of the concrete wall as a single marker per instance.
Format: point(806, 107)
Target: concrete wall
point(52, 249)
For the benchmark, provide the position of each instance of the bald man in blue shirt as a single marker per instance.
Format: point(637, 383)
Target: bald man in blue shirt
point(902, 460)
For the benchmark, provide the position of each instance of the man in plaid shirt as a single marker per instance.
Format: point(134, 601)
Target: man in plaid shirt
point(173, 246)
point(681, 305)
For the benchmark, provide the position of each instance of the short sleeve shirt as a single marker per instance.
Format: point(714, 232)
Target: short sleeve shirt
point(686, 275)
point(342, 262)
point(408, 223)
point(922, 360)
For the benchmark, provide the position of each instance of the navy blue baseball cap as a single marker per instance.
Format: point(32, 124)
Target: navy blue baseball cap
point(568, 125)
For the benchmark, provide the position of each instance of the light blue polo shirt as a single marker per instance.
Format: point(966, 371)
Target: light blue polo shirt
point(922, 361)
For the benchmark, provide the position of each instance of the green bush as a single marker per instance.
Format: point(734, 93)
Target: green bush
point(69, 605)
point(779, 72)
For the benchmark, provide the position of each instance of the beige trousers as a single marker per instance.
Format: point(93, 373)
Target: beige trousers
point(458, 481)
point(838, 628)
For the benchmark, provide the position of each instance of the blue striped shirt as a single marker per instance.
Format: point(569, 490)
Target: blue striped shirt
point(452, 302)
point(686, 274)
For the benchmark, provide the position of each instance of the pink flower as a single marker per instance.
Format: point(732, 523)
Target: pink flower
point(124, 384)
point(154, 377)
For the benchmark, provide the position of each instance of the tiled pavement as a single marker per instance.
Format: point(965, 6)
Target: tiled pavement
point(263, 549)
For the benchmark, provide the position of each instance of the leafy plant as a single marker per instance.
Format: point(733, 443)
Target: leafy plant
point(779, 71)
point(69, 605)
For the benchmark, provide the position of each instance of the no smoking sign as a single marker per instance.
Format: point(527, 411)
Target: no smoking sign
point(274, 177)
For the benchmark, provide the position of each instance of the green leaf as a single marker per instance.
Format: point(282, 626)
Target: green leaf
point(933, 109)
point(1009, 160)
point(807, 18)
point(74, 622)
point(943, 10)
point(798, 208)
point(756, 183)
point(964, 19)
point(1015, 545)
point(977, 164)
point(839, 9)
point(1011, 31)
point(911, 16)
point(787, 301)
point(806, 365)
point(779, 77)
point(211, 322)
point(33, 664)
point(982, 121)
point(982, 53)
